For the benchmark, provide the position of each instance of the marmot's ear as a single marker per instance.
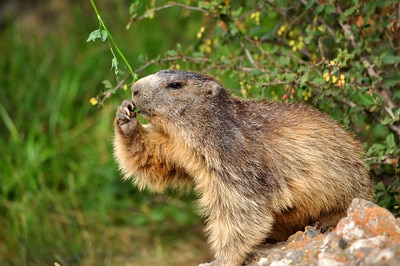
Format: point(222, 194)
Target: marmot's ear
point(211, 88)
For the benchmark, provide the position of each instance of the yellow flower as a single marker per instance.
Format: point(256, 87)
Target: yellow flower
point(200, 33)
point(341, 81)
point(244, 92)
point(334, 79)
point(281, 29)
point(297, 45)
point(306, 95)
point(206, 47)
point(93, 101)
point(300, 44)
point(256, 17)
point(327, 76)
point(342, 78)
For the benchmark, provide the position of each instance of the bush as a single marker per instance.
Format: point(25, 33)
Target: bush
point(339, 56)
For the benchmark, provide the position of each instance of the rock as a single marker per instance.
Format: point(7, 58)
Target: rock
point(369, 235)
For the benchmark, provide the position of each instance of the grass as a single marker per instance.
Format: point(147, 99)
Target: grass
point(61, 197)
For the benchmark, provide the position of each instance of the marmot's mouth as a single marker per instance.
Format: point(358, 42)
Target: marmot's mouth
point(141, 111)
point(144, 113)
point(136, 109)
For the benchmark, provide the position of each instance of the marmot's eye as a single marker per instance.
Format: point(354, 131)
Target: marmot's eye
point(174, 85)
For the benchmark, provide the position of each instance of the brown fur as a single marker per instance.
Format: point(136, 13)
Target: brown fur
point(262, 169)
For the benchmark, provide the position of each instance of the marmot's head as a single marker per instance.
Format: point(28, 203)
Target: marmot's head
point(172, 93)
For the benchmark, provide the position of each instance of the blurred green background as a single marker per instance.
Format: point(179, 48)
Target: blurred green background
point(61, 196)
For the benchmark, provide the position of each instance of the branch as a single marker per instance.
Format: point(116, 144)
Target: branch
point(388, 160)
point(169, 5)
point(348, 102)
point(275, 83)
point(172, 58)
point(248, 55)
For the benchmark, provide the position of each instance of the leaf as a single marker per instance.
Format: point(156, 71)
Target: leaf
point(114, 65)
point(390, 59)
point(197, 54)
point(348, 12)
point(304, 78)
point(236, 13)
point(309, 4)
point(257, 72)
point(390, 141)
point(107, 84)
point(318, 81)
point(233, 29)
point(366, 100)
point(134, 7)
point(380, 188)
point(283, 60)
point(94, 35)
point(289, 76)
point(97, 34)
point(103, 35)
point(329, 9)
point(171, 53)
point(387, 120)
point(319, 9)
point(390, 83)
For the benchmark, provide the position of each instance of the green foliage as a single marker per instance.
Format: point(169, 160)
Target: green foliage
point(340, 56)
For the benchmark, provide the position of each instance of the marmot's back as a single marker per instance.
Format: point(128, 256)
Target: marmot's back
point(262, 169)
point(316, 160)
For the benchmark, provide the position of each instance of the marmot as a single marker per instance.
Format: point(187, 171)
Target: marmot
point(262, 169)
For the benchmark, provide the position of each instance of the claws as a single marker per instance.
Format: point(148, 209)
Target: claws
point(122, 116)
point(125, 116)
point(131, 106)
point(127, 111)
point(128, 106)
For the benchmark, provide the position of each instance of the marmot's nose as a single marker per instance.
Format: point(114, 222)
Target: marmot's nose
point(135, 90)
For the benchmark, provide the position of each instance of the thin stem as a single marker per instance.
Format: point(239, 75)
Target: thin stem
point(112, 42)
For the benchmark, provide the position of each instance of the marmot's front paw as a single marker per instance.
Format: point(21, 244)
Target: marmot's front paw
point(125, 117)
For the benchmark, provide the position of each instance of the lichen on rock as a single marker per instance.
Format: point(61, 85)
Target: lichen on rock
point(368, 235)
